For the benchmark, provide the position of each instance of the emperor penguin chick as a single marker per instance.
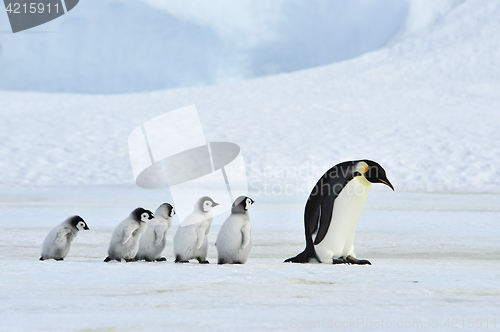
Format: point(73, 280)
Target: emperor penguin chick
point(125, 239)
point(153, 241)
point(58, 241)
point(190, 240)
point(234, 241)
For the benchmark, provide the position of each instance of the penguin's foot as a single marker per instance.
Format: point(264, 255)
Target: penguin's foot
point(178, 259)
point(42, 259)
point(59, 259)
point(107, 259)
point(181, 261)
point(353, 260)
point(339, 260)
point(202, 260)
point(131, 260)
point(161, 259)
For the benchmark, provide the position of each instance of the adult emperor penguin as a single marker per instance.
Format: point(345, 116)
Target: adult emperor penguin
point(125, 239)
point(190, 240)
point(234, 242)
point(58, 241)
point(333, 210)
point(153, 241)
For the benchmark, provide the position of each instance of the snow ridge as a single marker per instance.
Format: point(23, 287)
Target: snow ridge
point(425, 108)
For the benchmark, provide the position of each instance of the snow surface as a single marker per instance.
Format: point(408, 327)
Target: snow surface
point(435, 256)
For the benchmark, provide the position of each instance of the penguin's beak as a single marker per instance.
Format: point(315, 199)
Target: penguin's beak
point(86, 228)
point(386, 182)
point(215, 204)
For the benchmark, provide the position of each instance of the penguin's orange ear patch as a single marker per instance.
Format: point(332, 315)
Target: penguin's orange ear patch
point(366, 169)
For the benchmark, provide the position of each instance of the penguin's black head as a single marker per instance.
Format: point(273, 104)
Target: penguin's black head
point(165, 210)
point(142, 215)
point(374, 173)
point(79, 223)
point(242, 204)
point(206, 204)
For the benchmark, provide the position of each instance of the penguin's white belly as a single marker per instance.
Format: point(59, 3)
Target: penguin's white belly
point(118, 249)
point(125, 251)
point(147, 246)
point(230, 240)
point(128, 250)
point(347, 210)
point(51, 249)
point(185, 241)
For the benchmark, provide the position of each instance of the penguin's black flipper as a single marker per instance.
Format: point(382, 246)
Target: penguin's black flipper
point(330, 186)
point(325, 217)
point(107, 259)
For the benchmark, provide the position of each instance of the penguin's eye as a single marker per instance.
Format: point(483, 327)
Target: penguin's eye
point(144, 216)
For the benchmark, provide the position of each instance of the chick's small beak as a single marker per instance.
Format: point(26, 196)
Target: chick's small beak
point(215, 204)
